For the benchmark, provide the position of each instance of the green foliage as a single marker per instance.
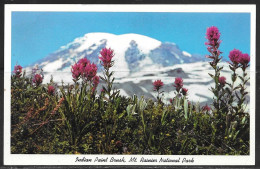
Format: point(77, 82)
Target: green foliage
point(77, 120)
point(35, 119)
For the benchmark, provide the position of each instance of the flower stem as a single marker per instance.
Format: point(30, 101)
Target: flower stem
point(242, 92)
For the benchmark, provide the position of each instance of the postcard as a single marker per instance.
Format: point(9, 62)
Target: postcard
point(129, 84)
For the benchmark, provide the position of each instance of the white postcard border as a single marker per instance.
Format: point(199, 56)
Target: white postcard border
point(15, 159)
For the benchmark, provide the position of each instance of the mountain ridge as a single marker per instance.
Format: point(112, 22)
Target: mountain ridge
point(132, 51)
point(139, 60)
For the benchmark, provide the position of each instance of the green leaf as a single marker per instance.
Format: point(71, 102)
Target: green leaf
point(133, 109)
point(234, 77)
point(163, 121)
point(241, 78)
point(243, 120)
point(142, 104)
point(104, 79)
point(246, 81)
point(113, 80)
point(111, 74)
point(231, 68)
point(186, 109)
point(237, 87)
point(121, 115)
point(236, 134)
point(211, 75)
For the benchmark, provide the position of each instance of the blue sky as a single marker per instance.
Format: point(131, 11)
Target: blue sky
point(37, 34)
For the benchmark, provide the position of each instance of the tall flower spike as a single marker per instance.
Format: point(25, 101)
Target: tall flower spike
point(213, 36)
point(18, 70)
point(158, 84)
point(76, 71)
point(178, 83)
point(37, 79)
point(244, 60)
point(184, 91)
point(51, 90)
point(84, 62)
point(90, 71)
point(222, 80)
point(206, 108)
point(235, 56)
point(106, 57)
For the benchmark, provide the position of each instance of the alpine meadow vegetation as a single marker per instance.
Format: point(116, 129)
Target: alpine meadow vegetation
point(77, 119)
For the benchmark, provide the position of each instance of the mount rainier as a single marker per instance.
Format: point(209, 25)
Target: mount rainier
point(133, 53)
point(139, 60)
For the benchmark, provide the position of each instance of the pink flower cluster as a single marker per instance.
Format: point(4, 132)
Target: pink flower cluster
point(184, 91)
point(89, 71)
point(84, 69)
point(83, 62)
point(18, 70)
point(206, 108)
point(222, 80)
point(213, 36)
point(106, 57)
point(244, 60)
point(37, 79)
point(157, 85)
point(237, 57)
point(76, 71)
point(51, 90)
point(178, 83)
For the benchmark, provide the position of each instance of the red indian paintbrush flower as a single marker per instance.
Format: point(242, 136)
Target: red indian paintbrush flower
point(244, 60)
point(18, 70)
point(184, 91)
point(106, 57)
point(37, 79)
point(83, 62)
point(222, 80)
point(235, 56)
point(76, 71)
point(90, 71)
point(206, 108)
point(213, 36)
point(84, 69)
point(157, 85)
point(51, 90)
point(178, 83)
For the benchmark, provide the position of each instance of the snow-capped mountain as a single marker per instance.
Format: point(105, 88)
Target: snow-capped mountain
point(139, 60)
point(133, 53)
